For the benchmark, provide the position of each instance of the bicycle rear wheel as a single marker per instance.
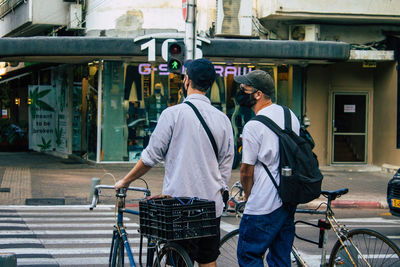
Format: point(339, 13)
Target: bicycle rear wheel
point(228, 248)
point(174, 255)
point(117, 253)
point(366, 248)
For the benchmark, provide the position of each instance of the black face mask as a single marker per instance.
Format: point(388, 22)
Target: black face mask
point(245, 100)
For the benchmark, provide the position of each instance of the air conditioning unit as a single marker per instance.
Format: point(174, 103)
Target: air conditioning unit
point(75, 17)
point(234, 18)
point(304, 32)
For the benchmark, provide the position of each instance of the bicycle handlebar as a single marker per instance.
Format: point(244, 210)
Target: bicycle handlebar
point(120, 192)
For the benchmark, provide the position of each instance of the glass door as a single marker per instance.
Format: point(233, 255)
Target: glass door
point(349, 128)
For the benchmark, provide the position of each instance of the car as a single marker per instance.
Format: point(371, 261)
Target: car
point(393, 194)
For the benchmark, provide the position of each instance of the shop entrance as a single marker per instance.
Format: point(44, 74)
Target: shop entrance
point(349, 125)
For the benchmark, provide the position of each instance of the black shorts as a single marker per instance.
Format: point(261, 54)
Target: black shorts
point(203, 250)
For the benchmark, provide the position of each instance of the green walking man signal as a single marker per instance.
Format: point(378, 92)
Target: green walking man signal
point(176, 56)
point(174, 64)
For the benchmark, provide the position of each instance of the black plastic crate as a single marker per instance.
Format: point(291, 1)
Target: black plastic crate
point(176, 219)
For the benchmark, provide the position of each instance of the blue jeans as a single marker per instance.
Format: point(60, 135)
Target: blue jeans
point(274, 231)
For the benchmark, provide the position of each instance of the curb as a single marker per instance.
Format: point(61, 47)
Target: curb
point(390, 168)
point(361, 204)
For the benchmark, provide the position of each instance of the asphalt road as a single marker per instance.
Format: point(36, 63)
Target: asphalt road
point(74, 236)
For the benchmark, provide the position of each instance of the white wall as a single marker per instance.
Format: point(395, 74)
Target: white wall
point(13, 20)
point(341, 7)
point(54, 12)
point(132, 18)
point(35, 12)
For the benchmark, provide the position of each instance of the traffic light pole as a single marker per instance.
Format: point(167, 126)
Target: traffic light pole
point(190, 32)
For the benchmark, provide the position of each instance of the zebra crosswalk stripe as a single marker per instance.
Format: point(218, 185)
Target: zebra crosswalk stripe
point(75, 236)
point(58, 219)
point(63, 241)
point(65, 225)
point(62, 236)
point(81, 261)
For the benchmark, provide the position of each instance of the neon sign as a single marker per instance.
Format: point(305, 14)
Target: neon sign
point(223, 71)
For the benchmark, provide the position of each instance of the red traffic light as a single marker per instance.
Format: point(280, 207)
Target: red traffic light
point(175, 49)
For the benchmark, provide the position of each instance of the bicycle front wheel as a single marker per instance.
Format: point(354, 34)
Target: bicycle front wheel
point(228, 248)
point(365, 247)
point(174, 255)
point(117, 253)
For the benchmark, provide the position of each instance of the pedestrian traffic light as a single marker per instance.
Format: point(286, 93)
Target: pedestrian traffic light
point(176, 56)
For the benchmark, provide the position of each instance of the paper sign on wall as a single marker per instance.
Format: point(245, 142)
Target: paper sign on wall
point(349, 108)
point(4, 114)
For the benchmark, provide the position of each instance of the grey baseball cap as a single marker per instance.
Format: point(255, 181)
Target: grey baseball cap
point(260, 80)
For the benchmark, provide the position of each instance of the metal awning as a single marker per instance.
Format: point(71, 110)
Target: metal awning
point(85, 49)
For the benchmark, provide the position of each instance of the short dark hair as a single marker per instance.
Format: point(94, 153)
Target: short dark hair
point(199, 87)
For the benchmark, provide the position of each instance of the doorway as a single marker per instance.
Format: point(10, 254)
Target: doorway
point(349, 126)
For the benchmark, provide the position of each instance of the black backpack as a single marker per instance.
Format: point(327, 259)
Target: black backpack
point(301, 178)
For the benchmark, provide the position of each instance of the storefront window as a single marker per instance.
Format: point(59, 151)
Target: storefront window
point(89, 111)
point(135, 94)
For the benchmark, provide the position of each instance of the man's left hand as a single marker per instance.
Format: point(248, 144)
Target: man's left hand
point(121, 184)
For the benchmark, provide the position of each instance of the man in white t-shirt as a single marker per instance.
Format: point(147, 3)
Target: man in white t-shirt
point(267, 223)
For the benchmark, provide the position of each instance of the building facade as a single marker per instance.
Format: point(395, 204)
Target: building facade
point(99, 92)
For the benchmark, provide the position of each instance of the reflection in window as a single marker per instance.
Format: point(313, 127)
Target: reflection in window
point(135, 94)
point(147, 92)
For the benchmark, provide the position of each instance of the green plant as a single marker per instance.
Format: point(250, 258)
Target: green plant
point(59, 133)
point(36, 96)
point(45, 144)
point(9, 132)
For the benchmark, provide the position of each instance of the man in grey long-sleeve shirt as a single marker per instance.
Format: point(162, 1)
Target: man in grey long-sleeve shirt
point(191, 166)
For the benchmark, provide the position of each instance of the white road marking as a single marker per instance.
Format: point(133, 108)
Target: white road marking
point(369, 220)
point(227, 227)
point(56, 232)
point(63, 225)
point(61, 241)
point(62, 219)
point(62, 251)
point(85, 261)
point(56, 207)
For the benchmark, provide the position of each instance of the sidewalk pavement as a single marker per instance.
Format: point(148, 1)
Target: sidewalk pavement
point(40, 179)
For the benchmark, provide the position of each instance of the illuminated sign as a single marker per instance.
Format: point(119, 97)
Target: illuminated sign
point(3, 69)
point(223, 71)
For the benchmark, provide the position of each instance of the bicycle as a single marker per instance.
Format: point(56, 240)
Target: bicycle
point(357, 247)
point(159, 253)
point(236, 203)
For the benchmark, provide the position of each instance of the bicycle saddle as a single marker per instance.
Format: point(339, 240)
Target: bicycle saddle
point(335, 193)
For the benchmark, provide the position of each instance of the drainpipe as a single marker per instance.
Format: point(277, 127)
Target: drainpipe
point(99, 110)
point(398, 92)
point(190, 31)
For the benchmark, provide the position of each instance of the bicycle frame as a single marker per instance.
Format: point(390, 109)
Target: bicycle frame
point(325, 225)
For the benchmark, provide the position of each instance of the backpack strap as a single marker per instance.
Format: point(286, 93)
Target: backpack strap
point(278, 131)
point(210, 136)
point(269, 123)
point(270, 176)
point(288, 118)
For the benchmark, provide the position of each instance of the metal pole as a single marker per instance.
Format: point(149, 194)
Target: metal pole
point(190, 32)
point(99, 110)
point(95, 181)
